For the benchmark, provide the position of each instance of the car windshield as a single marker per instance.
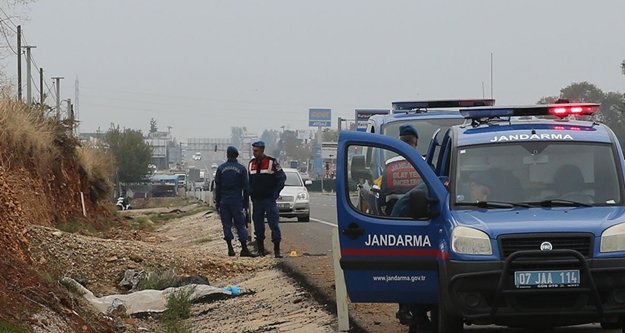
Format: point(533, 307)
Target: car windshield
point(293, 179)
point(536, 173)
point(425, 128)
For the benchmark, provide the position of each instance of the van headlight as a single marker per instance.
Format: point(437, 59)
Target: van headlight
point(470, 241)
point(302, 196)
point(613, 238)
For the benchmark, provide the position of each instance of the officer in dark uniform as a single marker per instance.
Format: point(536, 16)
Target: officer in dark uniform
point(413, 315)
point(266, 181)
point(399, 176)
point(231, 197)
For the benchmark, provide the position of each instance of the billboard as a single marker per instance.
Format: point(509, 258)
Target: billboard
point(328, 150)
point(362, 116)
point(319, 117)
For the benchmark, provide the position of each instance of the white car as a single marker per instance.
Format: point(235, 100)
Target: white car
point(197, 156)
point(294, 200)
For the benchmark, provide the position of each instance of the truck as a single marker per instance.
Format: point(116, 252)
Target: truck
point(529, 232)
point(163, 185)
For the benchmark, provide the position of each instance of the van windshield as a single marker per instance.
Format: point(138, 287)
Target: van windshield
point(537, 172)
point(425, 128)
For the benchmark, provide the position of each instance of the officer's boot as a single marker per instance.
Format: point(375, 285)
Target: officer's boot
point(231, 252)
point(276, 250)
point(245, 252)
point(261, 247)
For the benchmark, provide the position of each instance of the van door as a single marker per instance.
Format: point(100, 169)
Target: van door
point(389, 259)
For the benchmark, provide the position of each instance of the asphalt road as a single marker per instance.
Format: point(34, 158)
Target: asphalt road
point(312, 243)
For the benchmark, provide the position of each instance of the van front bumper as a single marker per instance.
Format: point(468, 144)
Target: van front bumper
point(485, 292)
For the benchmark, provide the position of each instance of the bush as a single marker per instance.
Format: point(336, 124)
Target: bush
point(98, 164)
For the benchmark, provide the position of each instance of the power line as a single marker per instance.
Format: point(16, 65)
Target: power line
point(6, 37)
point(7, 17)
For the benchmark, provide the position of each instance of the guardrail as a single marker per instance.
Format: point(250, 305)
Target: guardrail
point(202, 195)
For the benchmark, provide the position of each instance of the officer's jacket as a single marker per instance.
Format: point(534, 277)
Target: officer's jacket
point(266, 178)
point(231, 183)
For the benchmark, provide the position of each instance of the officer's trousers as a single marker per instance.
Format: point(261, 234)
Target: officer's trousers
point(230, 212)
point(269, 208)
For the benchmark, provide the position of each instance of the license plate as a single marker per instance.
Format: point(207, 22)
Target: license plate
point(547, 279)
point(286, 205)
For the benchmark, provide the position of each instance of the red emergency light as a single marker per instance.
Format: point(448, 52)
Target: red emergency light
point(560, 110)
point(581, 109)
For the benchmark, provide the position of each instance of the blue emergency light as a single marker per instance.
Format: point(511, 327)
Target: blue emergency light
point(438, 104)
point(559, 110)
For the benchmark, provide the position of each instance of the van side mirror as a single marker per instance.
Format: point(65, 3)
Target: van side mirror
point(308, 182)
point(421, 206)
point(359, 169)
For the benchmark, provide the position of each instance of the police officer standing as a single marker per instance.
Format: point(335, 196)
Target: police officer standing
point(231, 197)
point(266, 181)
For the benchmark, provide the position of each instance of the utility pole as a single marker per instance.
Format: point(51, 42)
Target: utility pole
point(57, 80)
point(19, 63)
point(29, 96)
point(41, 94)
point(340, 121)
point(491, 75)
point(69, 109)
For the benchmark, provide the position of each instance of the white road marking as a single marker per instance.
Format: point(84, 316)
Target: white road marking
point(324, 222)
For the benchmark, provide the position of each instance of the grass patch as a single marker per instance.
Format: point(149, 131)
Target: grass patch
point(72, 287)
point(165, 217)
point(6, 327)
point(142, 223)
point(178, 308)
point(163, 202)
point(76, 225)
point(157, 280)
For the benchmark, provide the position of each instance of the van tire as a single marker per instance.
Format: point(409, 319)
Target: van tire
point(303, 218)
point(443, 322)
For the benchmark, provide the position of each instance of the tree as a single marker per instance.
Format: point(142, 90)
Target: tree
point(612, 110)
point(132, 153)
point(330, 135)
point(238, 133)
point(270, 137)
point(153, 126)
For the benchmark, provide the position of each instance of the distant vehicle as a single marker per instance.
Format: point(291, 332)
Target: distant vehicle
point(197, 156)
point(123, 203)
point(182, 179)
point(214, 167)
point(294, 164)
point(294, 200)
point(163, 185)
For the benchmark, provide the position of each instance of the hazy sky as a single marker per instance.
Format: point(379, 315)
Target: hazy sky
point(204, 66)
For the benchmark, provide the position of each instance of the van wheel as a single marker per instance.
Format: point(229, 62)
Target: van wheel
point(303, 218)
point(443, 322)
point(611, 326)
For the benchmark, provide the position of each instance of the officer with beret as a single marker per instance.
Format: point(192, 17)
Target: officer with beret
point(266, 181)
point(231, 197)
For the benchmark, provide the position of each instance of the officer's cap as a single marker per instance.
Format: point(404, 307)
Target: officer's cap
point(408, 130)
point(232, 151)
point(259, 144)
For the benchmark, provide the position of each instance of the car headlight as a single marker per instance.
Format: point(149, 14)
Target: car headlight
point(613, 238)
point(302, 196)
point(470, 241)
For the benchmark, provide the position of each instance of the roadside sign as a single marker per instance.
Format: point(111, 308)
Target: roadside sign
point(328, 150)
point(363, 115)
point(319, 117)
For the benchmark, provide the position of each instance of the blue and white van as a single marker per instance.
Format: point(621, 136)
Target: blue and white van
point(530, 230)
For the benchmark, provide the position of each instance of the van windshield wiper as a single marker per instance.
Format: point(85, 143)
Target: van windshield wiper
point(493, 204)
point(558, 203)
